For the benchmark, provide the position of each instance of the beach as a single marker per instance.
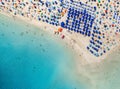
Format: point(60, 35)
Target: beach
point(94, 74)
point(32, 58)
point(84, 46)
point(98, 72)
point(71, 39)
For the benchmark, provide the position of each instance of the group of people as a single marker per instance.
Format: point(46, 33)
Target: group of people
point(104, 30)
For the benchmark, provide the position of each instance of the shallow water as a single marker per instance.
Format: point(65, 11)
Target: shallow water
point(106, 74)
point(110, 72)
point(33, 59)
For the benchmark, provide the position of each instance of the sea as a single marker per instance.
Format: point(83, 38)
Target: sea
point(31, 58)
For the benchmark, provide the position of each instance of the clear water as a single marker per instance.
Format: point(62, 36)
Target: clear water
point(32, 59)
point(106, 74)
point(109, 72)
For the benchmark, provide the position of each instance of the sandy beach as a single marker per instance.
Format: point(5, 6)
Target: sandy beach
point(76, 41)
point(93, 69)
point(73, 40)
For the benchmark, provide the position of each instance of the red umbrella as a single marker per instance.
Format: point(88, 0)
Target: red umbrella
point(60, 29)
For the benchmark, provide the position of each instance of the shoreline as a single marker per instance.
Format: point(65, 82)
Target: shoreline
point(71, 40)
point(91, 75)
point(94, 71)
point(89, 50)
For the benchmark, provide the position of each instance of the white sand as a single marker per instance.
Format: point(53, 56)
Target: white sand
point(90, 68)
point(74, 40)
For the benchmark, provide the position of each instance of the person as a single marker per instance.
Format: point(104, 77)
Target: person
point(63, 36)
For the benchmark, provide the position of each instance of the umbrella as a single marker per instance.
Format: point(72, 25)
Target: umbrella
point(60, 29)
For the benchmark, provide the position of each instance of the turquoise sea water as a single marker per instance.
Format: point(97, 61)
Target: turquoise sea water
point(32, 59)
